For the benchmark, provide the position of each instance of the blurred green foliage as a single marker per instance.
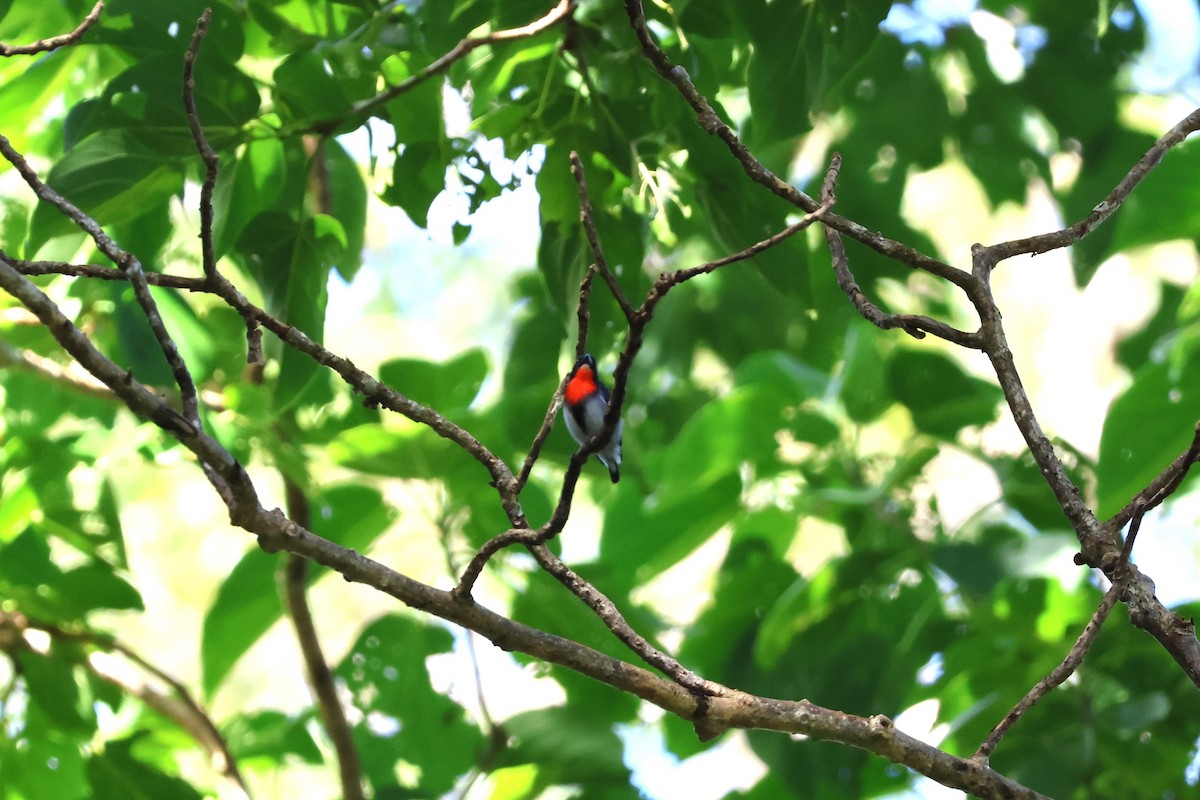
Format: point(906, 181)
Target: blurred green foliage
point(755, 411)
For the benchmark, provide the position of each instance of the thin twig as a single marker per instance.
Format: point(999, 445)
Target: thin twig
point(711, 122)
point(55, 42)
point(105, 274)
point(133, 270)
point(734, 709)
point(587, 217)
point(607, 610)
point(460, 50)
point(1105, 208)
point(1059, 674)
point(915, 325)
point(185, 711)
point(212, 164)
point(641, 318)
point(207, 154)
point(583, 314)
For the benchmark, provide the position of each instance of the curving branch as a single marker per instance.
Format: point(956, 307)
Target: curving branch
point(207, 154)
point(1056, 677)
point(176, 703)
point(915, 325)
point(539, 439)
point(640, 320)
point(131, 267)
point(711, 122)
point(731, 709)
point(554, 16)
point(587, 217)
point(55, 42)
point(1071, 234)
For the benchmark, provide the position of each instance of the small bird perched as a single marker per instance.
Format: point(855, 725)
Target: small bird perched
point(583, 411)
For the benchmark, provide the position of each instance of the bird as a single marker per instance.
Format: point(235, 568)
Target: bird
point(584, 406)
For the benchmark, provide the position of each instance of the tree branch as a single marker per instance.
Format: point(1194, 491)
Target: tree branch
point(178, 705)
point(207, 154)
point(641, 318)
point(1104, 209)
point(915, 325)
point(557, 14)
point(294, 586)
point(1056, 677)
point(55, 42)
point(731, 709)
point(128, 265)
point(587, 217)
point(711, 122)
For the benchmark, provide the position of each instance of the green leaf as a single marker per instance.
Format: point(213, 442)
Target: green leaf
point(386, 675)
point(307, 89)
point(568, 749)
point(291, 263)
point(94, 586)
point(246, 187)
point(942, 398)
point(448, 387)
point(1147, 427)
point(116, 774)
point(53, 686)
point(18, 509)
point(144, 102)
point(738, 429)
point(246, 606)
point(679, 527)
point(267, 734)
point(48, 762)
point(112, 178)
point(418, 176)
point(1141, 219)
point(26, 560)
point(248, 602)
point(864, 385)
point(348, 205)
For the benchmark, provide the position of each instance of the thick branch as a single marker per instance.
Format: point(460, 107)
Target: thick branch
point(237, 491)
point(731, 709)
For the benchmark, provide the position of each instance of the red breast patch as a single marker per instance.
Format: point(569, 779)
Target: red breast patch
point(582, 384)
